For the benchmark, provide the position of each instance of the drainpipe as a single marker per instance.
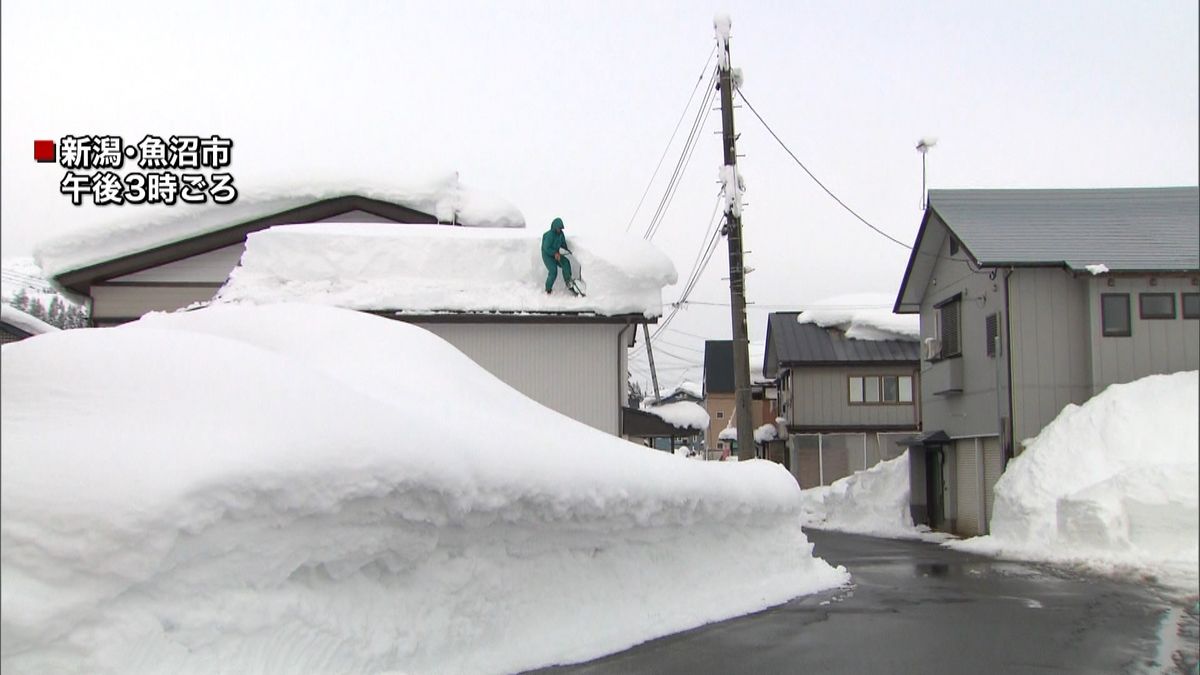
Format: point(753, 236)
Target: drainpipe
point(821, 458)
point(1007, 451)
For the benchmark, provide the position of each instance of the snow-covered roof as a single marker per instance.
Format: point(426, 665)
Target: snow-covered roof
point(863, 316)
point(431, 269)
point(681, 414)
point(139, 229)
point(24, 321)
point(767, 432)
point(729, 433)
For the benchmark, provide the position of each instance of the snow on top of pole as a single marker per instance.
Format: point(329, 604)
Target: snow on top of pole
point(722, 24)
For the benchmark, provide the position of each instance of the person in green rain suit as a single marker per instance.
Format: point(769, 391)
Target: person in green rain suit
point(552, 241)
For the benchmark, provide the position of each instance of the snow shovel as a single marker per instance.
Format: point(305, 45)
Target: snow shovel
point(577, 286)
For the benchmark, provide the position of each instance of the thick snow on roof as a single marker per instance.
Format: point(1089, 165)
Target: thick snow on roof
point(682, 414)
point(23, 320)
point(765, 433)
point(415, 268)
point(141, 228)
point(1110, 484)
point(863, 316)
point(264, 498)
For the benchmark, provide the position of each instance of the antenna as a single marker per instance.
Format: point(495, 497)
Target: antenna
point(923, 147)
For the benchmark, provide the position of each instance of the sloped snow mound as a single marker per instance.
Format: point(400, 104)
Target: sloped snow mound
point(435, 269)
point(874, 501)
point(289, 489)
point(1113, 482)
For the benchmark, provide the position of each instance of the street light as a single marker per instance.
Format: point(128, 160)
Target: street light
point(923, 147)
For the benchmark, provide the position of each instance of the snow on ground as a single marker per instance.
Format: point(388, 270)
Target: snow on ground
point(863, 316)
point(30, 324)
point(287, 489)
point(874, 502)
point(1110, 485)
point(137, 229)
point(433, 269)
point(681, 414)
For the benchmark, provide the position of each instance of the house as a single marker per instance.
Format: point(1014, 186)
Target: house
point(16, 325)
point(718, 390)
point(843, 401)
point(479, 290)
point(666, 426)
point(1030, 300)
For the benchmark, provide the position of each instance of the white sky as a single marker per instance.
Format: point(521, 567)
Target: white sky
point(565, 108)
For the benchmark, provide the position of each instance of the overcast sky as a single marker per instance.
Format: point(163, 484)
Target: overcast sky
point(564, 109)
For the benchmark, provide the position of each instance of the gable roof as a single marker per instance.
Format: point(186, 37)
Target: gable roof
point(718, 367)
point(1124, 229)
point(22, 323)
point(790, 342)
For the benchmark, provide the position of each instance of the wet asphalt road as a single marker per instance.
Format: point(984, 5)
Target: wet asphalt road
point(915, 607)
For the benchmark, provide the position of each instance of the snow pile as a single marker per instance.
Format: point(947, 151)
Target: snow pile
point(1112, 483)
point(863, 316)
point(272, 489)
point(139, 229)
point(681, 414)
point(729, 433)
point(766, 433)
point(874, 502)
point(414, 268)
point(1096, 269)
point(30, 324)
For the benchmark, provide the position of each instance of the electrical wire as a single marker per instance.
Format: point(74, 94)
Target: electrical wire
point(671, 140)
point(815, 179)
point(685, 158)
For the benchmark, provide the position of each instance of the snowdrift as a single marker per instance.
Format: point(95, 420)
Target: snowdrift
point(874, 501)
point(1111, 483)
point(308, 489)
point(443, 269)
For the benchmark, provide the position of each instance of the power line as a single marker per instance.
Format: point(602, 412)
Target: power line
point(685, 159)
point(671, 140)
point(815, 179)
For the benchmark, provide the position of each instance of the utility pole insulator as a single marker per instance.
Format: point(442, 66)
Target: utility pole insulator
point(733, 231)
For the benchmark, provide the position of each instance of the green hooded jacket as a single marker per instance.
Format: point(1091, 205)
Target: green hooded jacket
point(553, 239)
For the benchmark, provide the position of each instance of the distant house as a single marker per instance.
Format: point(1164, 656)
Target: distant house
point(562, 352)
point(17, 325)
point(1030, 300)
point(719, 395)
point(844, 402)
point(666, 426)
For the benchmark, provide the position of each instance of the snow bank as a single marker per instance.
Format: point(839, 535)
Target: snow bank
point(873, 502)
point(415, 268)
point(271, 489)
point(1112, 483)
point(23, 320)
point(138, 229)
point(681, 414)
point(863, 316)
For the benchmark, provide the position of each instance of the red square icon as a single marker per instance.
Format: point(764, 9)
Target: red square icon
point(43, 151)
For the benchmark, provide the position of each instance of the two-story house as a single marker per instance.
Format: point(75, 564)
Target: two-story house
point(844, 402)
point(1030, 300)
point(719, 396)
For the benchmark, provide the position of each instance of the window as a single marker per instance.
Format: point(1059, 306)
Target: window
point(1114, 315)
point(1156, 305)
point(992, 333)
point(953, 246)
point(948, 322)
point(720, 414)
point(1191, 305)
point(875, 389)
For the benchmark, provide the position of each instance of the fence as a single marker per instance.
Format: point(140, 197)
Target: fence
point(820, 459)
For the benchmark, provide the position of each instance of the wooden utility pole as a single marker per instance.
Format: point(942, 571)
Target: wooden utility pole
point(733, 232)
point(650, 358)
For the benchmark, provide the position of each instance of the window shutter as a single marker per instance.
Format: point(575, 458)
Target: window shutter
point(950, 317)
point(992, 330)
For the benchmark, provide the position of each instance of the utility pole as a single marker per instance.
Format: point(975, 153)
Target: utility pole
point(650, 357)
point(733, 232)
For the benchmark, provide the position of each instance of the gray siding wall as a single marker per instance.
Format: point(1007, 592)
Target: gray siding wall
point(1051, 347)
point(571, 368)
point(130, 302)
point(977, 409)
point(1156, 346)
point(820, 396)
point(212, 267)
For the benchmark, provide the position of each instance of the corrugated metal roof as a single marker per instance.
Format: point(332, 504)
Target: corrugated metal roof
point(799, 343)
point(1127, 229)
point(718, 367)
